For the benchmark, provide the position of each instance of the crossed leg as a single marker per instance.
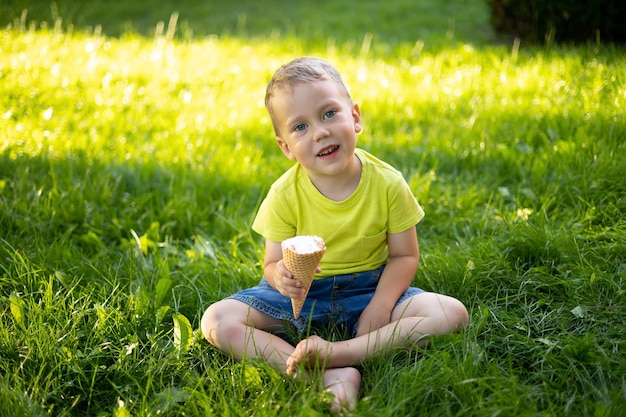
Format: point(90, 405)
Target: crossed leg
point(241, 331)
point(412, 321)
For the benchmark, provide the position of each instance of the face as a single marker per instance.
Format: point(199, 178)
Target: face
point(317, 125)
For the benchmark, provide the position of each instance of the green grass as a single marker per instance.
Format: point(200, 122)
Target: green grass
point(319, 22)
point(131, 168)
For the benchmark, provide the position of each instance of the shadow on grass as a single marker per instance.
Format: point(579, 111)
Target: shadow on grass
point(98, 203)
point(391, 23)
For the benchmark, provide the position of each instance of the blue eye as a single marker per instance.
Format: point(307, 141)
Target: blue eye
point(299, 127)
point(329, 114)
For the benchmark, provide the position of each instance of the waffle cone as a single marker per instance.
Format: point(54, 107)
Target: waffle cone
point(302, 266)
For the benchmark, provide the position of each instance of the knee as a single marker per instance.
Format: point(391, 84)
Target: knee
point(450, 313)
point(223, 322)
point(457, 314)
point(210, 322)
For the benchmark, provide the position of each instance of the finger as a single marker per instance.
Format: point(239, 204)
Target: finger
point(296, 292)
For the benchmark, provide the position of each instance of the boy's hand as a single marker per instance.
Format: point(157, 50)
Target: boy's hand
point(277, 274)
point(285, 283)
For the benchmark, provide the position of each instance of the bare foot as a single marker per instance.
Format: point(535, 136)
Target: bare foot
point(344, 384)
point(313, 351)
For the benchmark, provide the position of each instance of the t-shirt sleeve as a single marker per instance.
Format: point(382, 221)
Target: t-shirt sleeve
point(273, 220)
point(404, 210)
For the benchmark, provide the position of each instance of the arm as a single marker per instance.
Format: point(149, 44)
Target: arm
point(276, 274)
point(396, 278)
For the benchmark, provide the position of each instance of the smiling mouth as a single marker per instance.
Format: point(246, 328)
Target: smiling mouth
point(328, 151)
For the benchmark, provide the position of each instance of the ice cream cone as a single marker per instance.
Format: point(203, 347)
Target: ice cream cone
point(302, 255)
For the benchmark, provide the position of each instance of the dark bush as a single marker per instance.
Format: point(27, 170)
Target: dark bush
point(561, 21)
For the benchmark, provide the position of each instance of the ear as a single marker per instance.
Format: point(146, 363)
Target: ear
point(356, 115)
point(282, 144)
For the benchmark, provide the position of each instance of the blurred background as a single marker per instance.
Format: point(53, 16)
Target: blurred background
point(395, 21)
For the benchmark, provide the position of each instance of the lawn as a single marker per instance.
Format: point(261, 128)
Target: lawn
point(135, 149)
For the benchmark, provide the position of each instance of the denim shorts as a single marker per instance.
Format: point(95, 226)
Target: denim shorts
point(338, 299)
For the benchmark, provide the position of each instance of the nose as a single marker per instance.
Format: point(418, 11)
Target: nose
point(320, 132)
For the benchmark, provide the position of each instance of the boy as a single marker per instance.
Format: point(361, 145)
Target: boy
point(366, 214)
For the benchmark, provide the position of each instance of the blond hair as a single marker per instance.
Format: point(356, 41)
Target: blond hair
point(301, 70)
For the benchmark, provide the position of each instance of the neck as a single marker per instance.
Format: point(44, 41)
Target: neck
point(340, 187)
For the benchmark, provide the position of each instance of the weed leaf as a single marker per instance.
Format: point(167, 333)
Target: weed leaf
point(580, 312)
point(162, 290)
point(16, 305)
point(182, 332)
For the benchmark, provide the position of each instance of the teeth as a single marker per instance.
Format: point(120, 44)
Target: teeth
point(327, 151)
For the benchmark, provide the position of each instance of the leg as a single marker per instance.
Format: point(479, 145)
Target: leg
point(426, 314)
point(440, 314)
point(239, 330)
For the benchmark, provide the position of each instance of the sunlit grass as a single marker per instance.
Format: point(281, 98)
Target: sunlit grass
point(130, 170)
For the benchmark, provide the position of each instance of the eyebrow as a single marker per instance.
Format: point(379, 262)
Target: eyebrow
point(332, 102)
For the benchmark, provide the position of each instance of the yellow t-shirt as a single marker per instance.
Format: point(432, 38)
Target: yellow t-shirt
point(355, 230)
